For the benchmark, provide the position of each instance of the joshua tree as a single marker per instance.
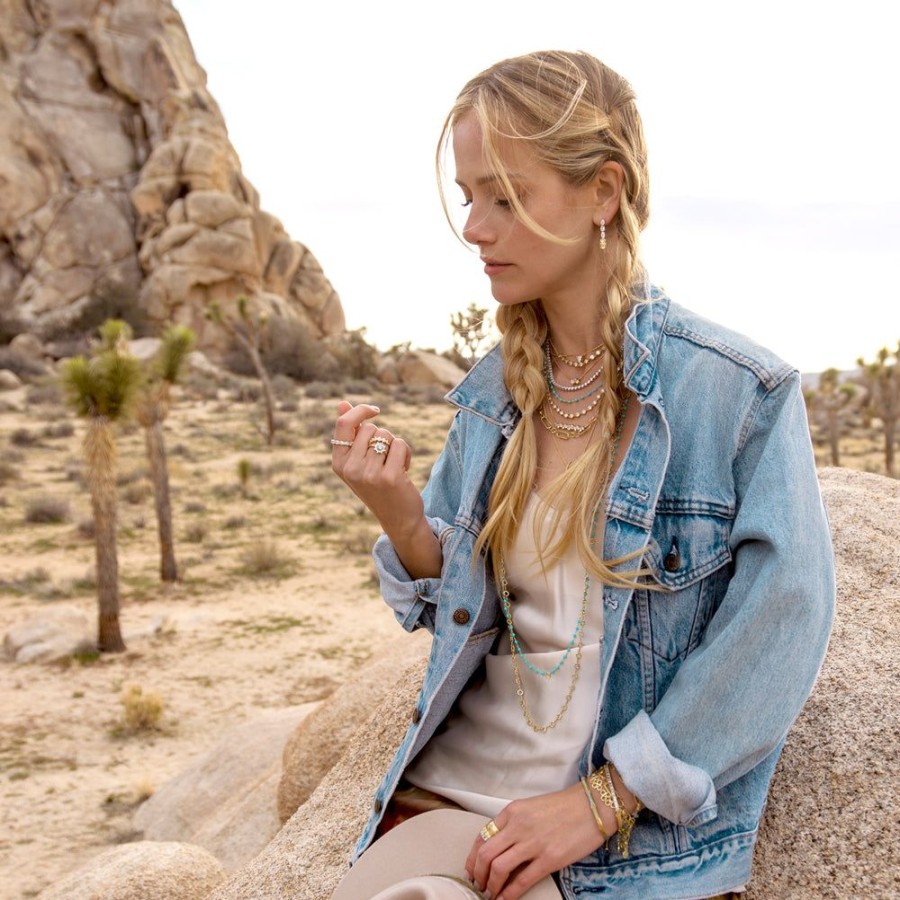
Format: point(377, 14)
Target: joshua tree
point(249, 329)
point(471, 332)
point(882, 378)
point(101, 389)
point(828, 405)
point(152, 408)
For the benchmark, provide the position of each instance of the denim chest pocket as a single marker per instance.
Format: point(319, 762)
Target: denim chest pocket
point(689, 559)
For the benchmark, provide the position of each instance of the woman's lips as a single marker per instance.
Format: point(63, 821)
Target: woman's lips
point(494, 266)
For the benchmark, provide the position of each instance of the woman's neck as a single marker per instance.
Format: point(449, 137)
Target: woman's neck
point(574, 331)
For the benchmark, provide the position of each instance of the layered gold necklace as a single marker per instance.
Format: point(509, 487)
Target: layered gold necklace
point(566, 408)
point(564, 431)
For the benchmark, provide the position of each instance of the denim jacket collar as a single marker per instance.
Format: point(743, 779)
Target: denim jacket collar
point(483, 393)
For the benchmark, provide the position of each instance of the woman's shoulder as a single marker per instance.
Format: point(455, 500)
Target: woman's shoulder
point(686, 335)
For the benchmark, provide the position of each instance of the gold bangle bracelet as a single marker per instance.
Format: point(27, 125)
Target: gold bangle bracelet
point(594, 810)
point(602, 782)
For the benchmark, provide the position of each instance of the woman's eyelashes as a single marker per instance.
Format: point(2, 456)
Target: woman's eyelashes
point(502, 202)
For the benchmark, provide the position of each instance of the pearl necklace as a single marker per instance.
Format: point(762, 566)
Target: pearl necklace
point(577, 383)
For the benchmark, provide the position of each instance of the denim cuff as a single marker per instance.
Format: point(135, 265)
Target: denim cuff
point(668, 786)
point(411, 599)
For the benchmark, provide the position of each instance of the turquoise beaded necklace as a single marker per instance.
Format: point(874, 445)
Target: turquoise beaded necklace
point(576, 643)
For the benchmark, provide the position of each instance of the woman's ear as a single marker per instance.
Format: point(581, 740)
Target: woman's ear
point(608, 184)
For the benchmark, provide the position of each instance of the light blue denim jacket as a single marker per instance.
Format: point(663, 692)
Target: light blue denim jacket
point(701, 681)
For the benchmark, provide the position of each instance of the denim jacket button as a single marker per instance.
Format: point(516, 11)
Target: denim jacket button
point(378, 805)
point(461, 616)
point(416, 716)
point(672, 562)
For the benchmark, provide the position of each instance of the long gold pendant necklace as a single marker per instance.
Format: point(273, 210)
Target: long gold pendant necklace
point(577, 640)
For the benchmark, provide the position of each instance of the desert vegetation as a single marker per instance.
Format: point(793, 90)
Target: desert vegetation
point(276, 604)
point(853, 415)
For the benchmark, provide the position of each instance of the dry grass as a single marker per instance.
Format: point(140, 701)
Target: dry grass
point(141, 710)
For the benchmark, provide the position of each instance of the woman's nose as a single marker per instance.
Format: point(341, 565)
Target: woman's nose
point(477, 229)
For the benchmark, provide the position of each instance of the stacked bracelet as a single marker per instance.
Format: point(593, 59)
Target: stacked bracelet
point(602, 782)
point(594, 810)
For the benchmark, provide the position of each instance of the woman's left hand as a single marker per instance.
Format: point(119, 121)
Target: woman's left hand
point(537, 836)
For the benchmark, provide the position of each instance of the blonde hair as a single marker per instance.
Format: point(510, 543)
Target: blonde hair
point(575, 114)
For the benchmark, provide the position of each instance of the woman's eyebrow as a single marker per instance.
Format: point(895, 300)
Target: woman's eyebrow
point(488, 179)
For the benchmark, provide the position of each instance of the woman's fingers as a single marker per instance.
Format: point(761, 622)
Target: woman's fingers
point(483, 853)
point(350, 417)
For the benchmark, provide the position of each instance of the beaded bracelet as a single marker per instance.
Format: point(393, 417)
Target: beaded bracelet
point(601, 781)
point(594, 810)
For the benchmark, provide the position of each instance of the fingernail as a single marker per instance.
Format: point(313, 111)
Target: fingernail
point(487, 895)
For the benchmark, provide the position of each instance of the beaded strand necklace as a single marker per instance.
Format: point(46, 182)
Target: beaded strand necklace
point(577, 640)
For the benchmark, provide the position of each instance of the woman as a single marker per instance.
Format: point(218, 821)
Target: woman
point(621, 551)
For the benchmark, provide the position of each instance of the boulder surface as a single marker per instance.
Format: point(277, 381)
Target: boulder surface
point(163, 871)
point(225, 801)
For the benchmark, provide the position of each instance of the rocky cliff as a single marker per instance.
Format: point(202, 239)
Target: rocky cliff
point(120, 193)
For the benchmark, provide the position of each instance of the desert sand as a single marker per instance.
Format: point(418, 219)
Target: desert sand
point(219, 647)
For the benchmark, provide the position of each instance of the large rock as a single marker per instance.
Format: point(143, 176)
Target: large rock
point(310, 853)
point(418, 367)
point(161, 871)
point(225, 802)
point(831, 828)
point(54, 633)
point(105, 119)
point(322, 737)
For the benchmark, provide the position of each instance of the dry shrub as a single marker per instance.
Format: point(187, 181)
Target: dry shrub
point(358, 541)
point(323, 390)
point(46, 510)
point(137, 492)
point(23, 437)
point(8, 473)
point(141, 711)
point(44, 393)
point(265, 557)
point(195, 533)
point(58, 430)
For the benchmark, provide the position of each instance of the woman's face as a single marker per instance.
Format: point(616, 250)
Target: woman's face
point(523, 265)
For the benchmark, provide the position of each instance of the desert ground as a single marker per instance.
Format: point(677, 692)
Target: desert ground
point(277, 604)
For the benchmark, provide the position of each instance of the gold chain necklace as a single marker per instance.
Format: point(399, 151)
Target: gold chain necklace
point(565, 431)
point(515, 647)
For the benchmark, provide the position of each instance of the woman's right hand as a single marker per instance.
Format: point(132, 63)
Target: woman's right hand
point(381, 481)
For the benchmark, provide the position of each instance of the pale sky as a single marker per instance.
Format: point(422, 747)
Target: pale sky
point(772, 130)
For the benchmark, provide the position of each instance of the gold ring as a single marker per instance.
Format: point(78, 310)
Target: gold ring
point(380, 445)
point(489, 830)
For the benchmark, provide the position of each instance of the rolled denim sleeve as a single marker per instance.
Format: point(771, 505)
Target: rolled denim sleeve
point(413, 599)
point(732, 701)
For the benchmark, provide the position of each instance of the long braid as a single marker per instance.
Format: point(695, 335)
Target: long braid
point(524, 330)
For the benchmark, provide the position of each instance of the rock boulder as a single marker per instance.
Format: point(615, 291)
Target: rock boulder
point(52, 634)
point(225, 802)
point(105, 118)
point(163, 871)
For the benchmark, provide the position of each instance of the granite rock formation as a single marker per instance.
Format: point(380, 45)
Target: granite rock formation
point(122, 194)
